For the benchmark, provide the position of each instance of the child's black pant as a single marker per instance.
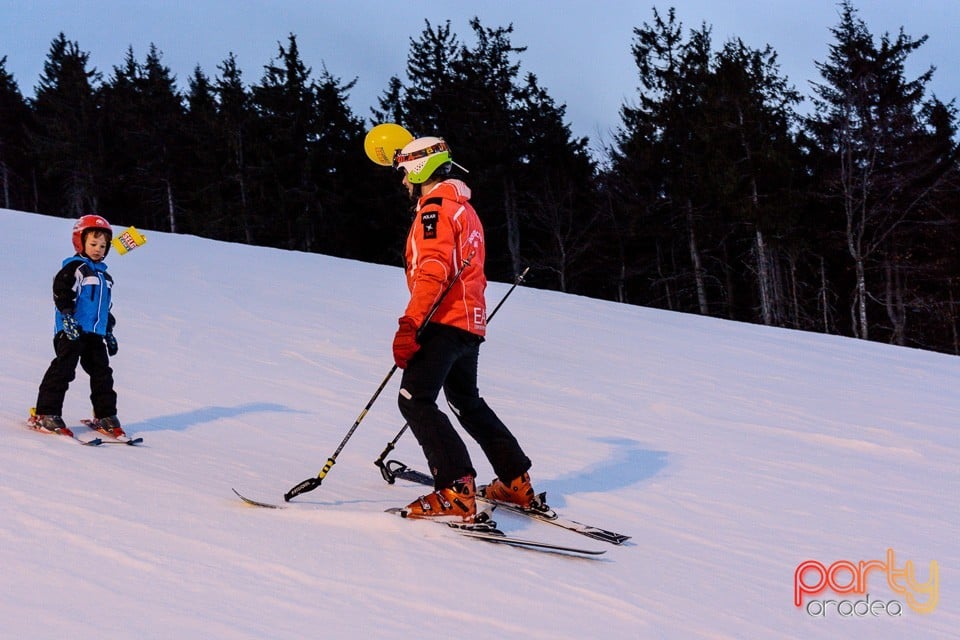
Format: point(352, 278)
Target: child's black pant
point(91, 353)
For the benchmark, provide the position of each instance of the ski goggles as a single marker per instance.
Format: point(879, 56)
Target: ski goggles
point(400, 158)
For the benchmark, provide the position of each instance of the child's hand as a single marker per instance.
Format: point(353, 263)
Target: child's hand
point(111, 344)
point(71, 328)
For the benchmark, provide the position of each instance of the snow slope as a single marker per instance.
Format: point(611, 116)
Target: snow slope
point(730, 452)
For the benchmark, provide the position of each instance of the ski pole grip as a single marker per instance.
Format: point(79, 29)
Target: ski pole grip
point(307, 485)
point(310, 483)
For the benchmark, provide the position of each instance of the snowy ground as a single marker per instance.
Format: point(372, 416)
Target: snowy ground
point(730, 452)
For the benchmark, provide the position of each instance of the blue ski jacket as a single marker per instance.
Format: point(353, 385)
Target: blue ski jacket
point(82, 289)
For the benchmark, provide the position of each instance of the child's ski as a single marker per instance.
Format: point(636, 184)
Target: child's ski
point(112, 439)
point(89, 443)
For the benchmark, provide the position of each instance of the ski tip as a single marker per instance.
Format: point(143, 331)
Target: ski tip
point(133, 442)
point(255, 503)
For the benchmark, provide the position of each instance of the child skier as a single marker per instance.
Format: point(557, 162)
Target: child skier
point(83, 333)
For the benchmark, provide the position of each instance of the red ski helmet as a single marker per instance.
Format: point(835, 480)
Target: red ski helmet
point(88, 223)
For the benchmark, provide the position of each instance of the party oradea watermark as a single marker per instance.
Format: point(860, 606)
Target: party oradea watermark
point(814, 583)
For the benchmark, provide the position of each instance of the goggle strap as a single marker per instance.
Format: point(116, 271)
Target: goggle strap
point(419, 153)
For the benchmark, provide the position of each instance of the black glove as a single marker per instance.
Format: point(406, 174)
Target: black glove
point(111, 344)
point(71, 328)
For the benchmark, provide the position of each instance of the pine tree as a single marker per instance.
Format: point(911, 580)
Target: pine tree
point(203, 150)
point(285, 102)
point(657, 165)
point(526, 172)
point(884, 163)
point(562, 226)
point(15, 119)
point(754, 173)
point(340, 171)
point(64, 137)
point(701, 183)
point(143, 126)
point(235, 122)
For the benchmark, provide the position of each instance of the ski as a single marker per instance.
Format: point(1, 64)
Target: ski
point(96, 442)
point(570, 525)
point(88, 443)
point(486, 530)
point(113, 439)
point(523, 543)
point(256, 503)
point(133, 442)
point(397, 469)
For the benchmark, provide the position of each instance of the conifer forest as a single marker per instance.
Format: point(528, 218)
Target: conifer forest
point(716, 195)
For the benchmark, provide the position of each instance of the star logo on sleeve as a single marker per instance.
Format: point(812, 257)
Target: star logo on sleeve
point(429, 222)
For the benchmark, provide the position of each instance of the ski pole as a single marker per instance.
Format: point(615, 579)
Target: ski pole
point(312, 483)
point(388, 475)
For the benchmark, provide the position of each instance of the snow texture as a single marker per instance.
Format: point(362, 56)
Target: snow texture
point(730, 452)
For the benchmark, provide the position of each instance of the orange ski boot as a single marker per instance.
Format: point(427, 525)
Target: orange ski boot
point(456, 502)
point(517, 492)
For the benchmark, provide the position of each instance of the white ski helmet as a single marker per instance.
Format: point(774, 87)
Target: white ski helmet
point(423, 157)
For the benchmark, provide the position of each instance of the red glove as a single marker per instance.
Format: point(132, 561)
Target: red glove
point(405, 342)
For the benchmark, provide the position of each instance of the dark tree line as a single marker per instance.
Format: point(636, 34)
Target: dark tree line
point(716, 195)
point(727, 202)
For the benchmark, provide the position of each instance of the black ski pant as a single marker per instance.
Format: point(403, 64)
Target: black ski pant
point(447, 359)
point(91, 353)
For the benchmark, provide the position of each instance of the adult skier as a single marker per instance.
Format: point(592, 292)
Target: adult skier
point(445, 250)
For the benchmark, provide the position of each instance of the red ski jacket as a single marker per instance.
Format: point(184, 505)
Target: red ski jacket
point(445, 232)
